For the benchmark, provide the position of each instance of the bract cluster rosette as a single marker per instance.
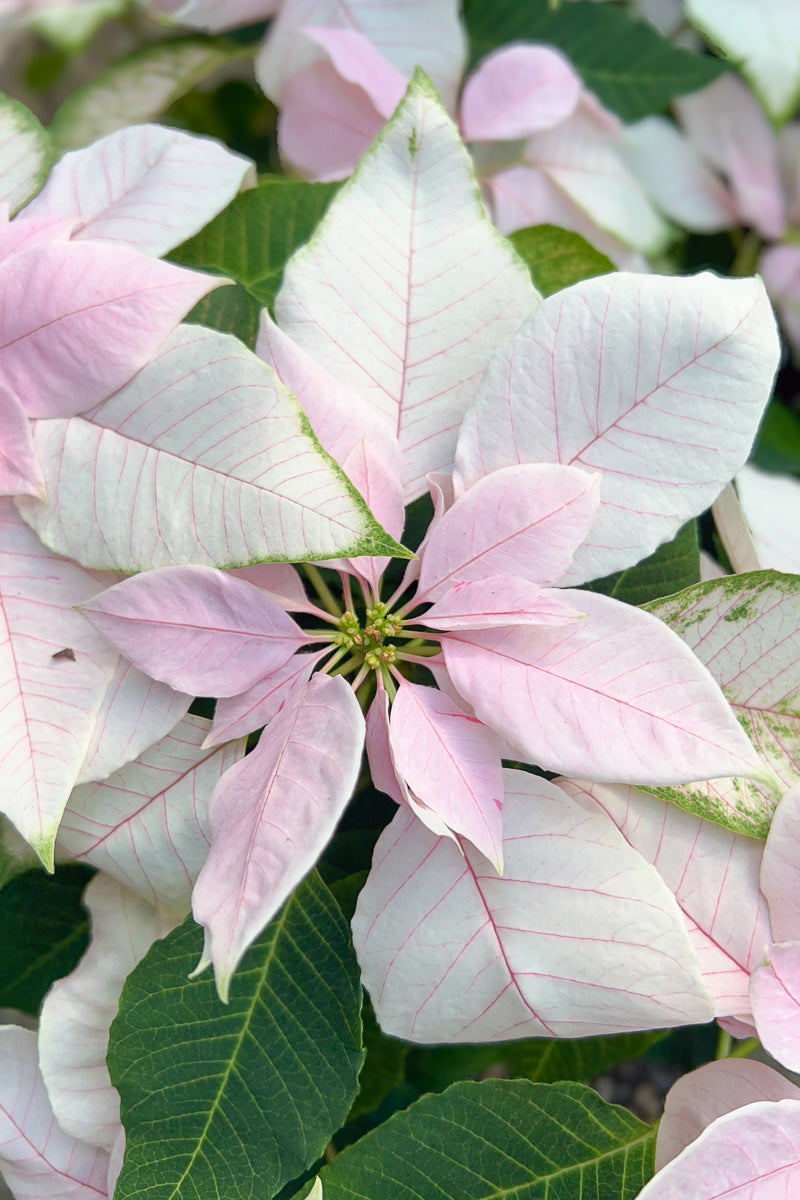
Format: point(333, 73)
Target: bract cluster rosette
point(410, 363)
point(563, 439)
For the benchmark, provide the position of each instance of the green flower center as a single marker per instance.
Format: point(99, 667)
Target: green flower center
point(369, 642)
point(368, 637)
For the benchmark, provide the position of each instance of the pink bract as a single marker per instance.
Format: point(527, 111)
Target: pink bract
point(729, 1129)
point(559, 676)
point(85, 304)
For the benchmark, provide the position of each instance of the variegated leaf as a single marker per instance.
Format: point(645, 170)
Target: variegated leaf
point(764, 38)
point(744, 628)
point(37, 1159)
point(78, 1011)
point(26, 153)
point(203, 458)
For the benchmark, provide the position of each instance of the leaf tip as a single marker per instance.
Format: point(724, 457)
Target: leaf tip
point(222, 977)
point(45, 847)
point(223, 982)
point(377, 542)
point(205, 960)
point(421, 85)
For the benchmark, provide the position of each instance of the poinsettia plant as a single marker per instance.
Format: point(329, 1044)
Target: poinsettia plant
point(378, 769)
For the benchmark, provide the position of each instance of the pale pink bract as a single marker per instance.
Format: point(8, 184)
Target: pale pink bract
point(550, 677)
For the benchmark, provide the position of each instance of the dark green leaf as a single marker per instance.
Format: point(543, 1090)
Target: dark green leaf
point(348, 853)
point(383, 1069)
point(257, 233)
point(630, 68)
point(16, 856)
point(346, 891)
point(778, 443)
point(499, 1138)
point(579, 1059)
point(541, 1060)
point(557, 258)
point(230, 309)
point(237, 113)
point(236, 1100)
point(686, 1049)
point(673, 567)
point(45, 932)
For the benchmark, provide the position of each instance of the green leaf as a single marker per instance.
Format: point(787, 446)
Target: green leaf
point(671, 568)
point(252, 239)
point(230, 310)
point(26, 153)
point(16, 856)
point(383, 1069)
point(45, 932)
point(236, 1100)
point(777, 446)
point(346, 891)
point(499, 1138)
point(630, 68)
point(557, 258)
point(541, 1060)
point(581, 1059)
point(235, 112)
point(138, 88)
point(741, 628)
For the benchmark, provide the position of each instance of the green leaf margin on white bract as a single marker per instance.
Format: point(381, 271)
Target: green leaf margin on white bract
point(26, 153)
point(138, 88)
point(88, 484)
point(730, 606)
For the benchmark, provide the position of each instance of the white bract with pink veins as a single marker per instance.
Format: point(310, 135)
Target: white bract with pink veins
point(85, 301)
point(84, 304)
point(563, 439)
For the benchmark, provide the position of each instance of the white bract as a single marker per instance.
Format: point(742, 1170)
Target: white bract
point(414, 339)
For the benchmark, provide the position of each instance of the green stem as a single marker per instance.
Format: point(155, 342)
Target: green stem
point(745, 1048)
point(747, 252)
point(348, 665)
point(389, 683)
point(337, 658)
point(724, 1045)
point(325, 594)
point(726, 1048)
point(364, 693)
point(421, 647)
